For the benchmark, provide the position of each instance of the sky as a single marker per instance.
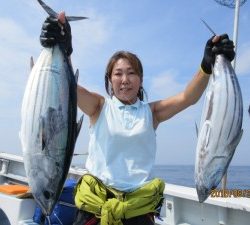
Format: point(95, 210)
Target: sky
point(168, 37)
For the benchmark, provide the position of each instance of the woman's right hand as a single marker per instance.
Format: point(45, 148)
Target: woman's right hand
point(57, 31)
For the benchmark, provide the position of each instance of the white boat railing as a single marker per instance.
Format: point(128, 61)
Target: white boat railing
point(181, 206)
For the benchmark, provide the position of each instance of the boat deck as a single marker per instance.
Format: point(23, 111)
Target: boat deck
point(181, 206)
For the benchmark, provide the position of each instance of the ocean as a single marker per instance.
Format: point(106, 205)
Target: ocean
point(238, 177)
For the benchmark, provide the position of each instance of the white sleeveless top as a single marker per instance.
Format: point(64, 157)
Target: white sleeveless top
point(122, 145)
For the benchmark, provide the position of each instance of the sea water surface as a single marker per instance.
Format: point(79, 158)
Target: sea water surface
point(238, 177)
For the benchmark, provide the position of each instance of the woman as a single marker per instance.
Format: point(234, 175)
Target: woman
point(122, 146)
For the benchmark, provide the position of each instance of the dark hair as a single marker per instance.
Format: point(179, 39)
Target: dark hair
point(135, 63)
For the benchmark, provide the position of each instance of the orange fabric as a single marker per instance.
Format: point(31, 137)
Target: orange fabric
point(13, 189)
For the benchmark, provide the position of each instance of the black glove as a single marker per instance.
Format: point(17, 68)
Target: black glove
point(222, 46)
point(54, 33)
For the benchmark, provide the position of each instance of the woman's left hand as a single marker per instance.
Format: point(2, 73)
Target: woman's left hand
point(217, 45)
point(224, 46)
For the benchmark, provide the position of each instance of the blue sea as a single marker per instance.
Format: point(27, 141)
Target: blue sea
point(238, 177)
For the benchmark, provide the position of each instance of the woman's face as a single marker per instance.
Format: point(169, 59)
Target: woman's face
point(125, 81)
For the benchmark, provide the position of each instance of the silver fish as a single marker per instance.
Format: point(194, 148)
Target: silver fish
point(220, 127)
point(49, 129)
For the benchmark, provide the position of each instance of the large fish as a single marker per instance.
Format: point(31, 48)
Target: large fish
point(220, 127)
point(49, 129)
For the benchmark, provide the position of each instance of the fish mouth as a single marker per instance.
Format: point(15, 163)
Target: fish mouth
point(46, 201)
point(202, 192)
point(46, 207)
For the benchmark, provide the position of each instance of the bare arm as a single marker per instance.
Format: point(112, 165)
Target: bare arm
point(165, 109)
point(89, 102)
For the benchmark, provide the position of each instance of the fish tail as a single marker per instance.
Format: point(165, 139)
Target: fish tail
point(54, 14)
point(50, 11)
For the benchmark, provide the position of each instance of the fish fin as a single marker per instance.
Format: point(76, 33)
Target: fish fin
point(208, 27)
point(196, 129)
point(76, 75)
point(54, 14)
point(79, 125)
point(80, 154)
point(31, 62)
point(249, 110)
point(74, 18)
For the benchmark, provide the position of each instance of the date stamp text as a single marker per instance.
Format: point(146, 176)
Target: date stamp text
point(230, 193)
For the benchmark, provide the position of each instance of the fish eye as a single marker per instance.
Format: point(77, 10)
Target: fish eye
point(46, 194)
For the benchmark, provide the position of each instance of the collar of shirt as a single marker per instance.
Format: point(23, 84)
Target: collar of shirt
point(121, 105)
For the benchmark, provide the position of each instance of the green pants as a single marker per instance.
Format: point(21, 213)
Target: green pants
point(111, 205)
